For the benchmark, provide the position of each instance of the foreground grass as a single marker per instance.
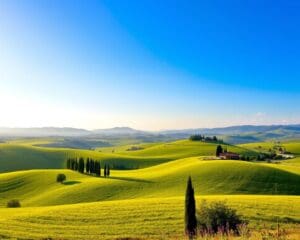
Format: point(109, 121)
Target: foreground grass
point(153, 218)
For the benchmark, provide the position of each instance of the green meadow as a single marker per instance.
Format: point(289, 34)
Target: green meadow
point(144, 196)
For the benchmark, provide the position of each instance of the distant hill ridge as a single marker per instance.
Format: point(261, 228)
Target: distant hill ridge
point(232, 134)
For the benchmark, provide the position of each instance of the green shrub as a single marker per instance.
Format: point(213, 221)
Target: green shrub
point(217, 217)
point(61, 178)
point(13, 203)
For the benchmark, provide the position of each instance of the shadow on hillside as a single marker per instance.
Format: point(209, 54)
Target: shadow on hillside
point(71, 182)
point(131, 179)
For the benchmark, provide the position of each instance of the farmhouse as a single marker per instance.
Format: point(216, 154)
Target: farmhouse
point(229, 156)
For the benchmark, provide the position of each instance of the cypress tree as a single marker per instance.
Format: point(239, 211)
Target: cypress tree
point(87, 167)
point(105, 170)
point(190, 210)
point(99, 169)
point(108, 170)
point(72, 164)
point(76, 165)
point(81, 165)
point(92, 166)
point(68, 163)
point(219, 150)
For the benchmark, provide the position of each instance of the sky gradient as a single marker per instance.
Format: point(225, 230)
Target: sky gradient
point(149, 64)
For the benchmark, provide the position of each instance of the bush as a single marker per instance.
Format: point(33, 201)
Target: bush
point(13, 203)
point(218, 217)
point(61, 178)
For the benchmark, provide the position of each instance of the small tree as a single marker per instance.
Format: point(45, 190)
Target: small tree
point(219, 150)
point(190, 210)
point(13, 203)
point(61, 178)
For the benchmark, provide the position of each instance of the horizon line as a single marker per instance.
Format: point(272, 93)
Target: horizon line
point(144, 130)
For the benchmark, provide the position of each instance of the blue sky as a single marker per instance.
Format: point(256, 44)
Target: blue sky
point(149, 64)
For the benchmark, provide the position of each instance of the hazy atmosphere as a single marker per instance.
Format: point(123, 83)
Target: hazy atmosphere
point(149, 64)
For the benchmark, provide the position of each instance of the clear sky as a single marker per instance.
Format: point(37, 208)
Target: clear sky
point(149, 64)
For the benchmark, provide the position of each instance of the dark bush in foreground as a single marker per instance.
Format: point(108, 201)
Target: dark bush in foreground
point(61, 178)
point(13, 203)
point(218, 217)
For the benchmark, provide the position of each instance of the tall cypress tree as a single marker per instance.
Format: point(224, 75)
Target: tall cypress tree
point(68, 163)
point(99, 169)
point(81, 165)
point(72, 164)
point(92, 167)
point(105, 173)
point(87, 166)
point(108, 170)
point(190, 210)
point(76, 164)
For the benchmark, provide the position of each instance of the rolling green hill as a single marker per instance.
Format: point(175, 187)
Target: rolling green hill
point(146, 202)
point(290, 146)
point(39, 188)
point(23, 154)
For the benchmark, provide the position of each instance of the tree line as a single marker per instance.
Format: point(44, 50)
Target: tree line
point(199, 137)
point(88, 166)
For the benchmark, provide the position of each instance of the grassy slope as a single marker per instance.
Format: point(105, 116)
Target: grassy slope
point(38, 187)
point(291, 146)
point(147, 218)
point(21, 155)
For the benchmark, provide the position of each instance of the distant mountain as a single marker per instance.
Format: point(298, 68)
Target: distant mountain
point(233, 134)
point(119, 131)
point(42, 132)
point(236, 129)
point(244, 133)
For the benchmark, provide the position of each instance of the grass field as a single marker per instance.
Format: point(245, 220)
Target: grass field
point(24, 154)
point(151, 218)
point(147, 202)
point(292, 146)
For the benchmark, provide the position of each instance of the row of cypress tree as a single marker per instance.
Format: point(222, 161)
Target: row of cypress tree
point(88, 166)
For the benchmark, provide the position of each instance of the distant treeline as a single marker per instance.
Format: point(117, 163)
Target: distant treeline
point(199, 137)
point(88, 166)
